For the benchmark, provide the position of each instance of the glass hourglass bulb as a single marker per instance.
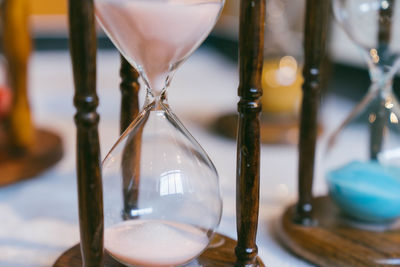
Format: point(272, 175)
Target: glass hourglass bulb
point(161, 194)
point(363, 155)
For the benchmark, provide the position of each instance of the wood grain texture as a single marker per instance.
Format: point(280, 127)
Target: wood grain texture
point(219, 254)
point(316, 21)
point(83, 53)
point(45, 151)
point(251, 46)
point(129, 87)
point(333, 242)
point(16, 43)
point(131, 155)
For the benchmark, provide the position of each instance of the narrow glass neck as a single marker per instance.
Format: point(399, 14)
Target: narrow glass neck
point(157, 99)
point(382, 77)
point(383, 86)
point(382, 67)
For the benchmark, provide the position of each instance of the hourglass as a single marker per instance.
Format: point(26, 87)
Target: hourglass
point(364, 181)
point(161, 196)
point(318, 229)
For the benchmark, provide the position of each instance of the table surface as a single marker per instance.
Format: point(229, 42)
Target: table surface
point(38, 218)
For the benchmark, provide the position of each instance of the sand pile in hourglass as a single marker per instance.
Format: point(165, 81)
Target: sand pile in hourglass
point(154, 242)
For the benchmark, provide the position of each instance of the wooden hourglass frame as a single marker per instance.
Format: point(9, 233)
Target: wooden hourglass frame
point(313, 228)
point(90, 252)
point(25, 150)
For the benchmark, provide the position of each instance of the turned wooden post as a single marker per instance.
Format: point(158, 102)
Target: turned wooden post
point(131, 158)
point(83, 53)
point(129, 94)
point(316, 21)
point(17, 47)
point(251, 45)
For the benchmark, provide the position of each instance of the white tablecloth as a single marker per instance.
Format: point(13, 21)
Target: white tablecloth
point(38, 218)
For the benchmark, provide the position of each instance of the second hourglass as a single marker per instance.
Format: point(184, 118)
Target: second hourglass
point(162, 201)
point(363, 162)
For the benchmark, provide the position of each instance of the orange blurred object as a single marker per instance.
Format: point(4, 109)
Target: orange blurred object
point(281, 83)
point(48, 7)
point(5, 101)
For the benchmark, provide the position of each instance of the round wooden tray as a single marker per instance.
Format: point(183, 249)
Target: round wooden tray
point(44, 153)
point(275, 128)
point(220, 253)
point(333, 242)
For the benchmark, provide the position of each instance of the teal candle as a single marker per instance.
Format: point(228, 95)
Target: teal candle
point(367, 191)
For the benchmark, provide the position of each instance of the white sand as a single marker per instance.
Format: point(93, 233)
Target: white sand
point(157, 34)
point(154, 242)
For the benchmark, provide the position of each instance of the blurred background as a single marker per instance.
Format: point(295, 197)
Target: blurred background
point(49, 29)
point(38, 218)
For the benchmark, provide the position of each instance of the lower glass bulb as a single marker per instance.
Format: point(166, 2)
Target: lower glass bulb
point(362, 160)
point(161, 193)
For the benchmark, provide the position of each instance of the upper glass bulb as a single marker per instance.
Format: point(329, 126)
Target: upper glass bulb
point(373, 26)
point(155, 36)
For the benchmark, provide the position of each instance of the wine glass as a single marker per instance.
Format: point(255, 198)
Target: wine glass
point(362, 156)
point(162, 202)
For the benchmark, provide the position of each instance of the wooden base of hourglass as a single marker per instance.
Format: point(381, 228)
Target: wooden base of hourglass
point(275, 129)
point(17, 166)
point(220, 253)
point(330, 242)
